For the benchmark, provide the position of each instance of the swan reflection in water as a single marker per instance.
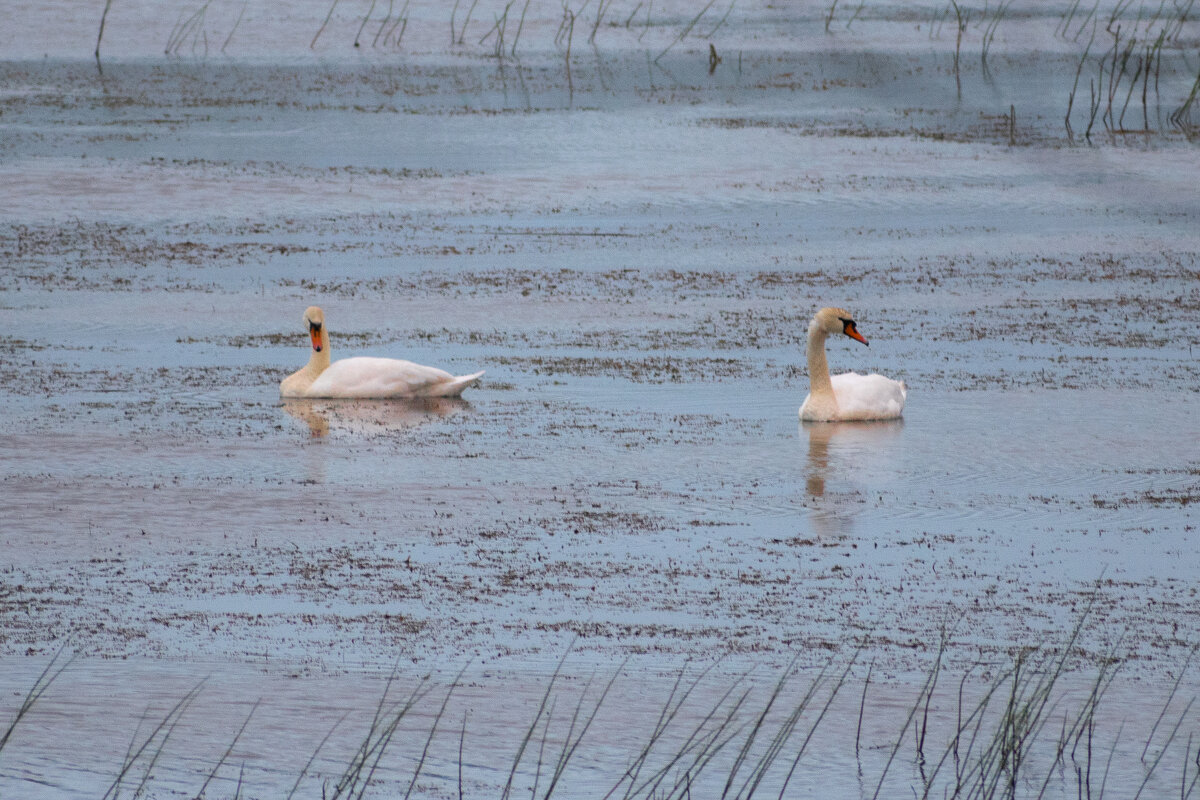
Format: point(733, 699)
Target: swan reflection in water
point(849, 453)
point(370, 417)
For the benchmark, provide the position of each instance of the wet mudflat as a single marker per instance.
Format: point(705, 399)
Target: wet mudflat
point(632, 252)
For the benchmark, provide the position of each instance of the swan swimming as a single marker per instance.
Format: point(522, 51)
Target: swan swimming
point(849, 396)
point(365, 377)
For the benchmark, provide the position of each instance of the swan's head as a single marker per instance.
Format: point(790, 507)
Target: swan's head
point(837, 320)
point(314, 318)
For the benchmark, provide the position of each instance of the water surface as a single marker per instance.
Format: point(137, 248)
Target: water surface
point(632, 252)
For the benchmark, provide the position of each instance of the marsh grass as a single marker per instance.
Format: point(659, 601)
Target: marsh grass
point(1018, 733)
point(387, 26)
point(961, 19)
point(48, 675)
point(190, 27)
point(498, 30)
point(100, 32)
point(989, 30)
point(687, 29)
point(359, 772)
point(144, 753)
point(1129, 71)
point(1128, 48)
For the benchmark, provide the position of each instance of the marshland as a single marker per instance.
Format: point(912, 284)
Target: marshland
point(619, 566)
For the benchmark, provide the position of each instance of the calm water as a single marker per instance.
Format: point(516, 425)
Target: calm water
point(632, 252)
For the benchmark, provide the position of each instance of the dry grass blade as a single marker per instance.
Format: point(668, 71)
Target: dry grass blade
point(100, 33)
point(354, 782)
point(48, 675)
point(236, 23)
point(313, 757)
point(710, 746)
point(1154, 764)
point(929, 679)
point(989, 33)
point(433, 730)
point(533, 725)
point(467, 21)
point(787, 727)
point(666, 716)
point(721, 21)
point(1186, 788)
point(862, 706)
point(192, 26)
point(700, 741)
point(520, 26)
point(756, 727)
point(1075, 86)
point(216, 768)
point(1179, 116)
point(1167, 704)
point(976, 717)
point(391, 37)
point(687, 29)
point(165, 727)
point(366, 18)
point(1025, 714)
point(569, 746)
point(1065, 22)
point(328, 16)
point(383, 23)
point(829, 15)
point(599, 18)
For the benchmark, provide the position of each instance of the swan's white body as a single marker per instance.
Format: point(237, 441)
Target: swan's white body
point(850, 396)
point(365, 377)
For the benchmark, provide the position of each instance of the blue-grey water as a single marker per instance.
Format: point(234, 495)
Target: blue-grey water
point(632, 251)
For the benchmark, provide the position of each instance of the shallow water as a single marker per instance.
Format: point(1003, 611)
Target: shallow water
point(632, 252)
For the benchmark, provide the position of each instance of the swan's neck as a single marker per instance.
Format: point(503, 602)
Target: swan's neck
point(818, 367)
point(319, 361)
point(296, 384)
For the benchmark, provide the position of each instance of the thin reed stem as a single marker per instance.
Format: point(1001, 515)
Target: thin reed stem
point(433, 730)
point(366, 18)
point(166, 726)
point(383, 24)
point(49, 674)
point(236, 23)
point(328, 16)
point(1163, 751)
point(862, 704)
point(229, 750)
point(100, 33)
point(687, 29)
point(520, 25)
point(467, 21)
point(537, 718)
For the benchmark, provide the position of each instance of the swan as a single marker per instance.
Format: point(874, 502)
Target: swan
point(849, 396)
point(365, 377)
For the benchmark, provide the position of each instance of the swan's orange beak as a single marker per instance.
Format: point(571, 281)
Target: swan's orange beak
point(850, 330)
point(315, 332)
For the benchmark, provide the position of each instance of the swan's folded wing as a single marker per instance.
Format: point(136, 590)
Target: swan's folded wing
point(868, 397)
point(365, 377)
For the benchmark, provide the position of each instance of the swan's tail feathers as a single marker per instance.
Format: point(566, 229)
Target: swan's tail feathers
point(455, 386)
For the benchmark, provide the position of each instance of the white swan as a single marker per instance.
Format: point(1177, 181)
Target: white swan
point(364, 377)
point(849, 396)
